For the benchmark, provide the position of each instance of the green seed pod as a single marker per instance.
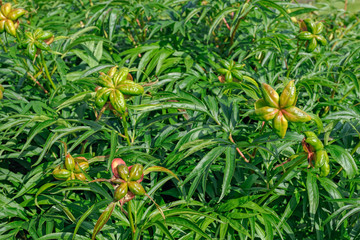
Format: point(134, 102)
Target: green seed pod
point(118, 101)
point(318, 28)
point(120, 76)
point(101, 97)
point(105, 81)
point(312, 45)
point(266, 113)
point(321, 40)
point(136, 188)
point(315, 143)
point(80, 176)
point(2, 88)
point(123, 171)
point(10, 27)
point(132, 89)
point(42, 45)
point(325, 170)
point(16, 13)
point(120, 191)
point(280, 125)
point(45, 35)
point(222, 71)
point(31, 51)
point(270, 96)
point(305, 35)
point(294, 114)
point(310, 25)
point(81, 163)
point(309, 134)
point(238, 75)
point(112, 71)
point(260, 103)
point(69, 162)
point(1, 95)
point(2, 25)
point(6, 9)
point(321, 157)
point(136, 172)
point(229, 77)
point(61, 174)
point(288, 96)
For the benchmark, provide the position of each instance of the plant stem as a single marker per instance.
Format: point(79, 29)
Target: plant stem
point(3, 45)
point(300, 161)
point(46, 70)
point(124, 123)
point(294, 59)
point(131, 220)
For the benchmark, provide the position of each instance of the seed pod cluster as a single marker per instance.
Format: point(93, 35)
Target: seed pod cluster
point(128, 180)
point(116, 86)
point(9, 18)
point(231, 70)
point(37, 41)
point(279, 109)
point(71, 169)
point(312, 35)
point(317, 153)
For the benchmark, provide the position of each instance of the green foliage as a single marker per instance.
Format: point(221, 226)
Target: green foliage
point(211, 171)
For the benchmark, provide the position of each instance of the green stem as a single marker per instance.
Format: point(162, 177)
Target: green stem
point(131, 220)
point(300, 161)
point(124, 123)
point(46, 70)
point(294, 59)
point(355, 148)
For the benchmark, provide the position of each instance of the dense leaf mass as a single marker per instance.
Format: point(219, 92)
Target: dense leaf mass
point(191, 119)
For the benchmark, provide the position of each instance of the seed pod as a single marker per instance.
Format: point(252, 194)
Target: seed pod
point(45, 35)
point(132, 89)
point(61, 174)
point(222, 71)
point(123, 171)
point(2, 25)
point(10, 27)
point(2, 88)
point(288, 96)
point(118, 101)
point(305, 35)
point(115, 162)
point(120, 191)
point(266, 113)
point(318, 28)
point(120, 76)
point(321, 157)
point(80, 176)
point(325, 170)
point(312, 45)
point(310, 25)
point(81, 163)
point(294, 114)
point(238, 75)
point(309, 134)
point(136, 172)
point(16, 13)
point(69, 162)
point(315, 143)
point(136, 188)
point(228, 77)
point(42, 45)
point(102, 97)
point(260, 103)
point(321, 40)
point(270, 96)
point(31, 50)
point(280, 125)
point(112, 71)
point(6, 9)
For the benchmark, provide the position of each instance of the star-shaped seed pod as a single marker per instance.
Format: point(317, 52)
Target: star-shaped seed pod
point(37, 41)
point(116, 86)
point(316, 152)
point(72, 169)
point(9, 18)
point(312, 35)
point(127, 185)
point(231, 70)
point(280, 110)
